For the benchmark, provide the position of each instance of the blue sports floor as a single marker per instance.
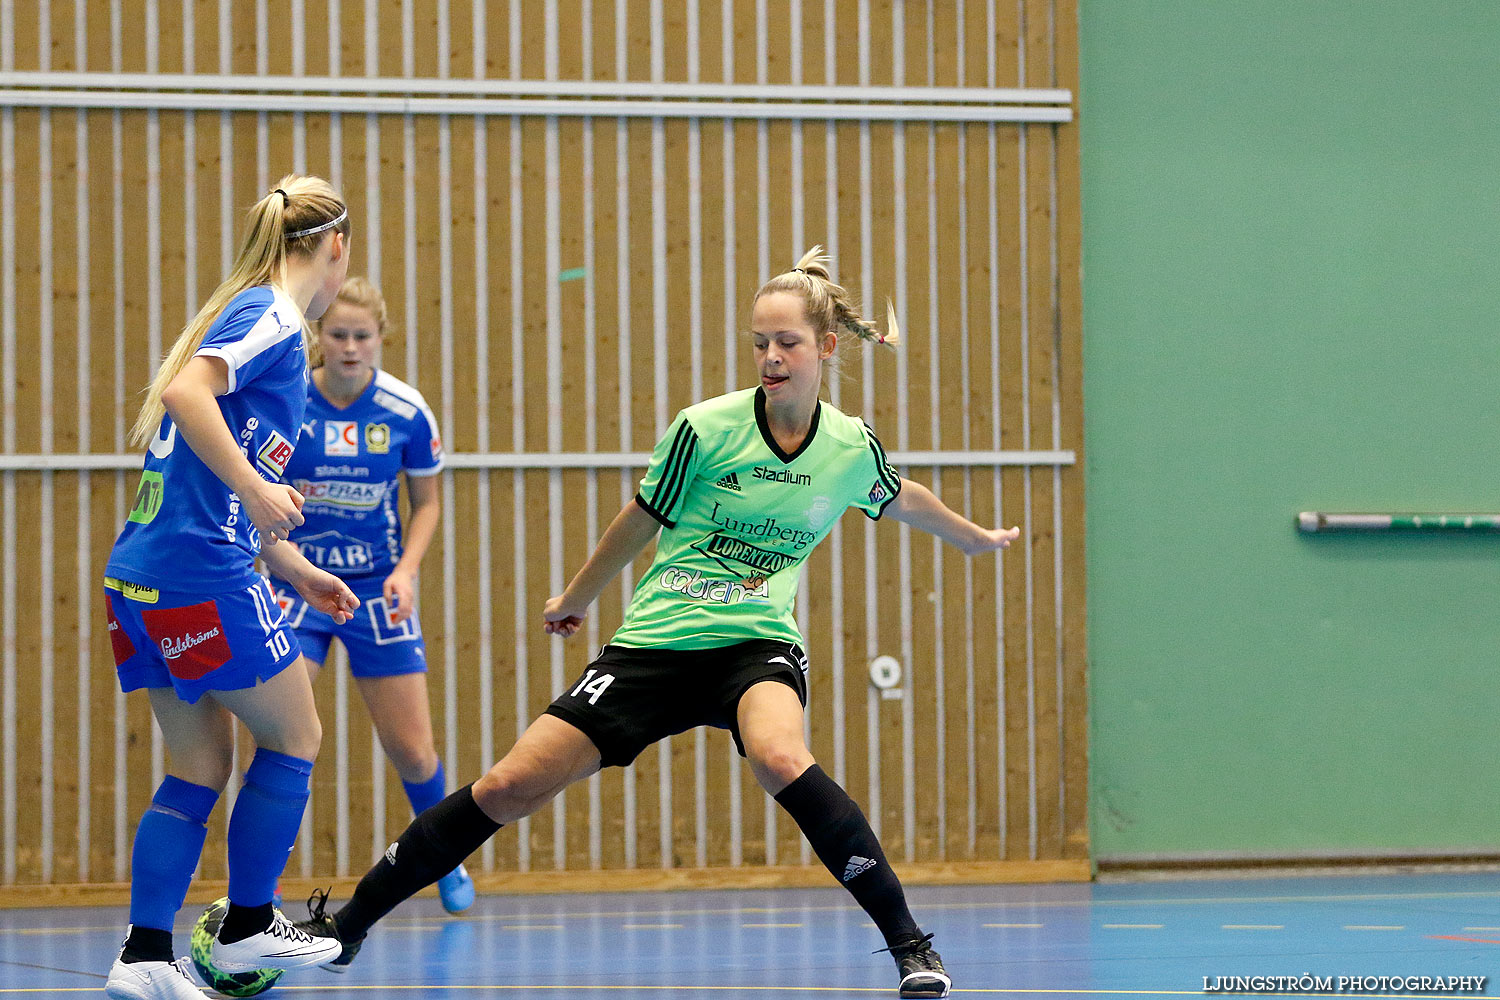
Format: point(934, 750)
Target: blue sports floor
point(1151, 938)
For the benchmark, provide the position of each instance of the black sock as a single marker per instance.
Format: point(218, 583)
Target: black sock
point(147, 944)
point(841, 837)
point(242, 921)
point(433, 845)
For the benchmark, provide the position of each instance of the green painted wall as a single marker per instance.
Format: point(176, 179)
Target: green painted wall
point(1291, 226)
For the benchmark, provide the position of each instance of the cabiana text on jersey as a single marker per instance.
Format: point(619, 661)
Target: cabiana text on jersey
point(698, 587)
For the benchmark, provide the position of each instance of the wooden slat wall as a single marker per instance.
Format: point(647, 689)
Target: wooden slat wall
point(118, 223)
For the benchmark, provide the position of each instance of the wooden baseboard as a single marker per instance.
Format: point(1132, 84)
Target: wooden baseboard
point(294, 890)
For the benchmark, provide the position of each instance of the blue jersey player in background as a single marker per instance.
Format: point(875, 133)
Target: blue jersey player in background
point(192, 622)
point(363, 429)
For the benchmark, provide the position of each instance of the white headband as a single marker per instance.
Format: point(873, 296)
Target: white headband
point(318, 229)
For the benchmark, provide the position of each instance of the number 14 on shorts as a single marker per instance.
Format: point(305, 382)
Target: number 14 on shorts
point(593, 686)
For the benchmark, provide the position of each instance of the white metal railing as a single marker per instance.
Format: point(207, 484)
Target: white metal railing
point(552, 460)
point(235, 84)
point(569, 98)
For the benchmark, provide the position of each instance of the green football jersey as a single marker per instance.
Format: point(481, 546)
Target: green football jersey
point(741, 516)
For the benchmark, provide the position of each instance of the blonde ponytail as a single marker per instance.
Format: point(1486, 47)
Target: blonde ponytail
point(292, 219)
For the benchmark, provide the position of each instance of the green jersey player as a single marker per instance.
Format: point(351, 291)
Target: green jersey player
point(741, 489)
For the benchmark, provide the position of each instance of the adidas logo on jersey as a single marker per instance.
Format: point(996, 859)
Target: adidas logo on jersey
point(730, 482)
point(390, 854)
point(856, 866)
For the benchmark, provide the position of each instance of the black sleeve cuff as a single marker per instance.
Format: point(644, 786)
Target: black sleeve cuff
point(888, 501)
point(654, 512)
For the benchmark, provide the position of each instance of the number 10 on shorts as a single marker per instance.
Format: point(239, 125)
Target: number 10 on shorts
point(593, 686)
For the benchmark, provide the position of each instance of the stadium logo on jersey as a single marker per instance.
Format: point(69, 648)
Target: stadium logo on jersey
point(341, 493)
point(695, 586)
point(192, 639)
point(337, 553)
point(377, 438)
point(735, 555)
point(275, 454)
point(341, 437)
point(782, 476)
point(730, 482)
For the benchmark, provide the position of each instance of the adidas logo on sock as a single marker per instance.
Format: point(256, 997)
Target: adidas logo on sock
point(390, 854)
point(730, 482)
point(857, 865)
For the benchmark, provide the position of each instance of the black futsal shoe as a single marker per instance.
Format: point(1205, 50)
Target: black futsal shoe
point(921, 968)
point(320, 924)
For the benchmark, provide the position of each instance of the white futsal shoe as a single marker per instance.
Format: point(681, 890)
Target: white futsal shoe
point(280, 946)
point(151, 981)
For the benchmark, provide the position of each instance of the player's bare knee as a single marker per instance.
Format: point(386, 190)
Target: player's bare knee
point(302, 741)
point(511, 790)
point(779, 763)
point(414, 763)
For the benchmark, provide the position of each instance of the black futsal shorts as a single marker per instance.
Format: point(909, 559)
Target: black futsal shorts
point(630, 697)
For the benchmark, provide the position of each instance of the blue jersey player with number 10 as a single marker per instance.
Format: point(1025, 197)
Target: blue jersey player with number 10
point(362, 430)
point(192, 622)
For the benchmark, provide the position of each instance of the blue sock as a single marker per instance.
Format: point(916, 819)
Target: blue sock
point(264, 825)
point(168, 842)
point(424, 795)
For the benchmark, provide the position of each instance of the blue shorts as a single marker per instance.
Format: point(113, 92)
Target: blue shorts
point(194, 642)
point(376, 646)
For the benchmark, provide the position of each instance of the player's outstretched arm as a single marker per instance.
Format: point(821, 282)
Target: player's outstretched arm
point(623, 540)
point(917, 506)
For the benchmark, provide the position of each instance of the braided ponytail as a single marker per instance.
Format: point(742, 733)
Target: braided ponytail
point(829, 305)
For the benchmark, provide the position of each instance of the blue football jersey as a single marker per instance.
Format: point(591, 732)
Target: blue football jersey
point(186, 530)
point(348, 466)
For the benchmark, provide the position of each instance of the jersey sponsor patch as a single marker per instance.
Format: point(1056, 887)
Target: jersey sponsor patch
point(192, 639)
point(697, 587)
point(341, 493)
point(341, 437)
point(275, 453)
point(735, 554)
point(394, 403)
point(378, 438)
point(147, 498)
point(437, 448)
point(878, 492)
point(337, 553)
point(134, 591)
point(729, 482)
point(820, 513)
point(119, 642)
point(782, 476)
